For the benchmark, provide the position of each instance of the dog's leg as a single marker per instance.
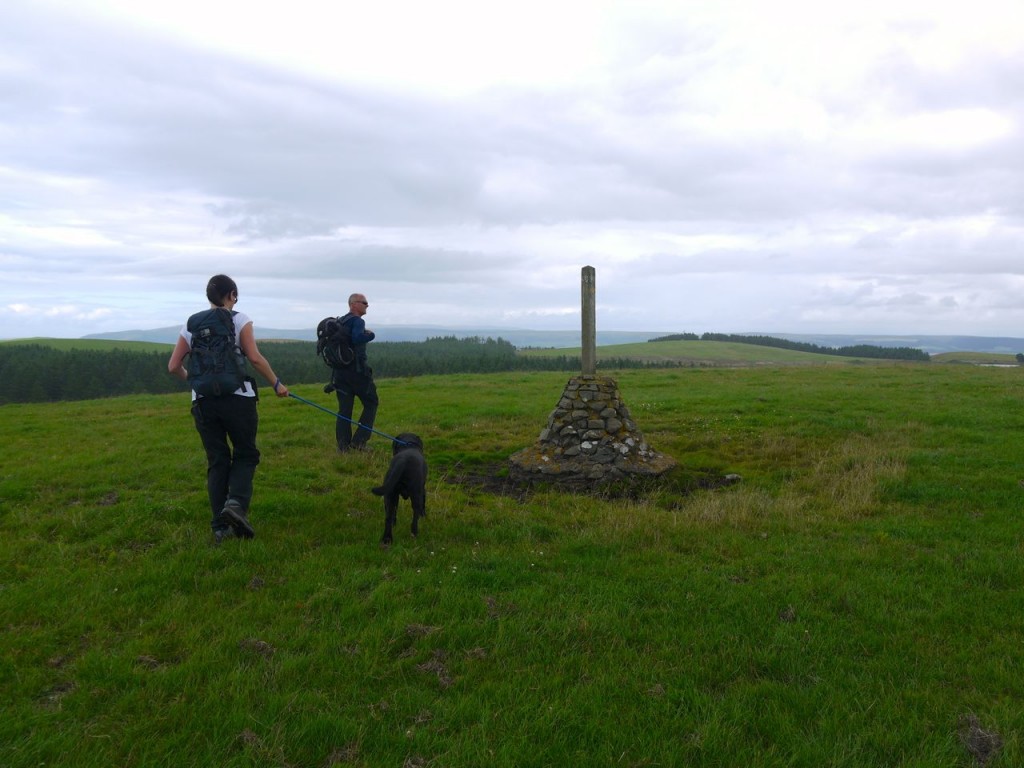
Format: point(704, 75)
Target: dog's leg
point(390, 516)
point(419, 509)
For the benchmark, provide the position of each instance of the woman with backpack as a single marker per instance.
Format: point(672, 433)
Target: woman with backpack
point(219, 341)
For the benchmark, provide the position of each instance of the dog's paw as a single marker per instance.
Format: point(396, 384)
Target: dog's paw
point(378, 491)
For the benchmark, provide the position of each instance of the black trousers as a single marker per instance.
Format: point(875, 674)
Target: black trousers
point(230, 468)
point(351, 384)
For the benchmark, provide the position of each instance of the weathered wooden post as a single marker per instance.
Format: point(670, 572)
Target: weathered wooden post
point(588, 283)
point(590, 439)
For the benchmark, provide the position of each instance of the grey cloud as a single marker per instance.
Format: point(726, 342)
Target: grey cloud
point(196, 121)
point(134, 159)
point(986, 78)
point(323, 156)
point(292, 157)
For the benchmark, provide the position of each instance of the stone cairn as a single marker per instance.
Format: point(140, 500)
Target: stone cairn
point(590, 438)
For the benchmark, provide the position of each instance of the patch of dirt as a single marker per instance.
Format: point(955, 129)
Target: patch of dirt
point(436, 665)
point(982, 745)
point(261, 647)
point(347, 754)
point(250, 739)
point(420, 630)
point(493, 479)
point(496, 610)
point(53, 698)
point(423, 717)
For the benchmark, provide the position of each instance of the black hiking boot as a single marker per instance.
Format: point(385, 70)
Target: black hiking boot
point(235, 515)
point(220, 535)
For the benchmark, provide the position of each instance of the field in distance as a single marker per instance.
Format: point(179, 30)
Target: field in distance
point(697, 352)
point(714, 353)
point(709, 353)
point(717, 353)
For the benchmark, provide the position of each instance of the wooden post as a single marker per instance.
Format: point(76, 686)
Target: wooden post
point(589, 341)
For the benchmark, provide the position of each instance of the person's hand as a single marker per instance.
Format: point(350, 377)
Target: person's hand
point(280, 389)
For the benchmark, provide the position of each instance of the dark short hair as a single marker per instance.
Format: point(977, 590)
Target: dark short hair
point(219, 288)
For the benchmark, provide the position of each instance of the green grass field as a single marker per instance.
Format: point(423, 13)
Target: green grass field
point(698, 352)
point(855, 600)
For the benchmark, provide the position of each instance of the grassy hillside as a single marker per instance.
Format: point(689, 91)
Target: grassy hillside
point(854, 601)
point(698, 353)
point(975, 358)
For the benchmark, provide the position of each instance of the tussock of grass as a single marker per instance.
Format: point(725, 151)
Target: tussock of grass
point(853, 600)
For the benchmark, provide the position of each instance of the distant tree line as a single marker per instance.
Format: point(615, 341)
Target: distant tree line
point(857, 350)
point(297, 361)
point(678, 337)
point(38, 373)
point(34, 373)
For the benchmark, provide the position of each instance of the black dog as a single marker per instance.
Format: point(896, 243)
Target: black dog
point(406, 477)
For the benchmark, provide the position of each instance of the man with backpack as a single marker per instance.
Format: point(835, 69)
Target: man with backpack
point(219, 341)
point(352, 377)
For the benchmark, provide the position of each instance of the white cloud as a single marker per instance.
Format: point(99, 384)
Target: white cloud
point(725, 166)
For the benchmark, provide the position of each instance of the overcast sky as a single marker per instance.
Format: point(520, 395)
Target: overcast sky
point(728, 166)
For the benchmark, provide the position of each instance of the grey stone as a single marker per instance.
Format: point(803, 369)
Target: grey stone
point(577, 449)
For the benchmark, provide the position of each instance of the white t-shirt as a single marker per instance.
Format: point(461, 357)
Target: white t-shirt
point(241, 320)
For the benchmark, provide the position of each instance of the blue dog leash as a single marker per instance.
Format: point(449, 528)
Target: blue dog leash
point(351, 421)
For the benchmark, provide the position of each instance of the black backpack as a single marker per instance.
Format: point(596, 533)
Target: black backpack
point(334, 342)
point(217, 365)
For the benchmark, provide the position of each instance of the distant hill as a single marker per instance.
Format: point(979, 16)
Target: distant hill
point(522, 338)
point(1006, 345)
